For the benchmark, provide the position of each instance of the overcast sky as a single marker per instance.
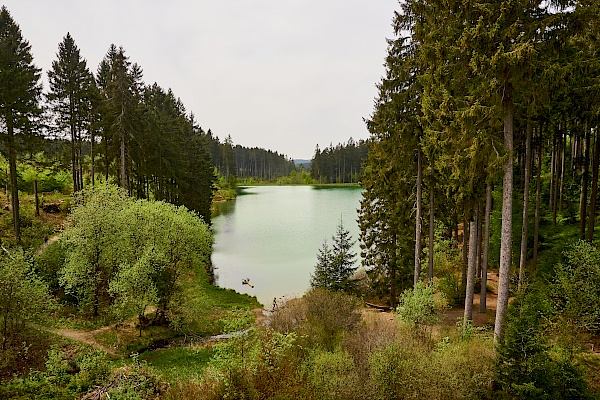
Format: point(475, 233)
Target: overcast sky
point(284, 75)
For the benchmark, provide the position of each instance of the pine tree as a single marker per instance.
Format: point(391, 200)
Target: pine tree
point(19, 97)
point(71, 84)
point(323, 275)
point(335, 265)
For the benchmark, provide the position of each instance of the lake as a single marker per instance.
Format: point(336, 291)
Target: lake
point(271, 235)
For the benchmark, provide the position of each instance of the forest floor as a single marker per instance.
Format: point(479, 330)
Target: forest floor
point(479, 319)
point(86, 337)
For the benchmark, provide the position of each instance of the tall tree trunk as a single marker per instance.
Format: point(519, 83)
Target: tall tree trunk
point(92, 139)
point(465, 249)
point(14, 189)
point(418, 216)
point(552, 172)
point(584, 182)
point(523, 254)
point(592, 216)
point(538, 192)
point(393, 271)
point(470, 289)
point(123, 173)
point(507, 205)
point(36, 197)
point(431, 226)
point(486, 247)
point(106, 169)
point(557, 170)
point(562, 172)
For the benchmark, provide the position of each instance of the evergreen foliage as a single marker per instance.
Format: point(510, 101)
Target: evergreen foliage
point(576, 285)
point(340, 164)
point(526, 366)
point(246, 164)
point(19, 97)
point(337, 264)
point(70, 98)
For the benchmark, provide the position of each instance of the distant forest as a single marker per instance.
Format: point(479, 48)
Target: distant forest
point(243, 162)
point(340, 164)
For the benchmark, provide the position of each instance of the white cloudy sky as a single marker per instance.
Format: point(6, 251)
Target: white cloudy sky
point(279, 74)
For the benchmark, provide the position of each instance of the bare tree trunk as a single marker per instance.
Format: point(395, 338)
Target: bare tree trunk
point(557, 170)
point(465, 247)
point(431, 226)
point(486, 247)
point(14, 194)
point(393, 272)
point(523, 255)
point(36, 197)
point(538, 191)
point(418, 216)
point(562, 172)
point(592, 216)
point(584, 182)
point(470, 289)
point(552, 172)
point(123, 173)
point(92, 157)
point(507, 205)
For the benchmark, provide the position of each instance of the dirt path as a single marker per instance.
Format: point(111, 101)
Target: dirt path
point(80, 336)
point(47, 243)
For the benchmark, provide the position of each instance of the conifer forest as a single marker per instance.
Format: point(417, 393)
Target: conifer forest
point(478, 274)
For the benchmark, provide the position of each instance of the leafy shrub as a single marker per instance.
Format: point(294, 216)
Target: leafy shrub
point(329, 317)
point(23, 295)
point(420, 307)
point(409, 369)
point(49, 262)
point(332, 375)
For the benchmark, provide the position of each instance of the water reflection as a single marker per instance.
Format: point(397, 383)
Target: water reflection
point(272, 237)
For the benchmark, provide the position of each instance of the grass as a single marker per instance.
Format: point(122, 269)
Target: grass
point(178, 363)
point(206, 304)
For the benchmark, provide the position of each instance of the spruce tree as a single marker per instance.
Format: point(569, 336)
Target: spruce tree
point(70, 84)
point(19, 97)
point(337, 264)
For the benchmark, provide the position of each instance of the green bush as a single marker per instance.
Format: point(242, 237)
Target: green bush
point(409, 369)
point(330, 316)
point(421, 307)
point(333, 375)
point(526, 367)
point(49, 262)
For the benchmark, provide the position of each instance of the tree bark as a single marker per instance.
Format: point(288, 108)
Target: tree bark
point(470, 289)
point(562, 172)
point(538, 192)
point(507, 205)
point(92, 157)
point(431, 226)
point(523, 254)
point(592, 216)
point(486, 247)
point(36, 197)
point(123, 174)
point(552, 172)
point(418, 216)
point(557, 170)
point(584, 182)
point(393, 272)
point(465, 248)
point(14, 189)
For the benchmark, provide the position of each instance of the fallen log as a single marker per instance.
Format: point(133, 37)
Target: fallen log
point(378, 307)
